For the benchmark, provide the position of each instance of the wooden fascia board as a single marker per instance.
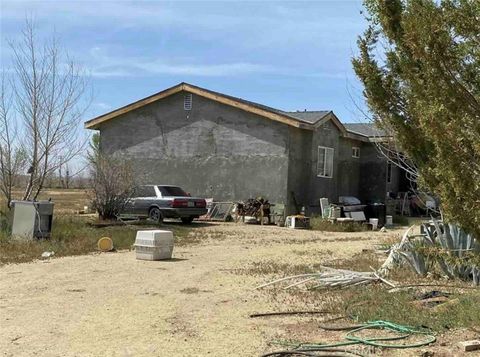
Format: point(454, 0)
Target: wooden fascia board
point(379, 139)
point(248, 108)
point(358, 137)
point(93, 123)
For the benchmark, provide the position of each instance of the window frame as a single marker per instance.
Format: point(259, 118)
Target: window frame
point(325, 161)
point(356, 149)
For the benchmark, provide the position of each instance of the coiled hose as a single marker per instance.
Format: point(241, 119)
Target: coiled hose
point(352, 338)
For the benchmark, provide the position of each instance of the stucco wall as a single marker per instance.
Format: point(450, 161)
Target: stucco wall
point(373, 176)
point(326, 135)
point(300, 145)
point(349, 168)
point(213, 150)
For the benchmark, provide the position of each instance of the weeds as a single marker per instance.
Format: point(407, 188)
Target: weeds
point(273, 267)
point(72, 235)
point(373, 302)
point(363, 261)
point(376, 303)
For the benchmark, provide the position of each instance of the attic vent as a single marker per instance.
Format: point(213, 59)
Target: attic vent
point(187, 101)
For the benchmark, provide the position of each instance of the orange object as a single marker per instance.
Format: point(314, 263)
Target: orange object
point(105, 244)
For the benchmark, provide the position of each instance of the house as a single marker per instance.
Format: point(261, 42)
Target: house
point(216, 145)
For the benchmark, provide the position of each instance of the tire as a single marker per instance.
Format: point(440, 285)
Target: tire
point(155, 214)
point(187, 220)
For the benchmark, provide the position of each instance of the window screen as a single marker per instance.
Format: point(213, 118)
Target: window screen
point(325, 162)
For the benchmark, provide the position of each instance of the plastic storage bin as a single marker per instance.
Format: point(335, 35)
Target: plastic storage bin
point(297, 222)
point(154, 245)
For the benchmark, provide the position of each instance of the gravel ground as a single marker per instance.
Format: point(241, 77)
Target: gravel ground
point(194, 305)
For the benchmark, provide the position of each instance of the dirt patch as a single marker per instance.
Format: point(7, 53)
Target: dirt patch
point(195, 305)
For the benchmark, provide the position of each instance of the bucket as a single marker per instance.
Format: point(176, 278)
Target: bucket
point(374, 223)
point(389, 220)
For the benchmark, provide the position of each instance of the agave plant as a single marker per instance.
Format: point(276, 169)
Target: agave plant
point(412, 253)
point(456, 252)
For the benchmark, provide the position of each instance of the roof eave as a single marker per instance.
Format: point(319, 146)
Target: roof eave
point(95, 123)
point(373, 139)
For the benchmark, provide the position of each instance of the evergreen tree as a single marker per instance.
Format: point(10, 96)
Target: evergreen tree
point(419, 62)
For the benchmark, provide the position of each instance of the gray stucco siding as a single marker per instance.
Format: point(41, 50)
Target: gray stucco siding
point(298, 168)
point(373, 175)
point(327, 135)
point(212, 150)
point(220, 151)
point(349, 168)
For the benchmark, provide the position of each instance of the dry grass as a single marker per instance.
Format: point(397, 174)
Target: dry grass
point(65, 200)
point(364, 261)
point(374, 301)
point(72, 235)
point(272, 267)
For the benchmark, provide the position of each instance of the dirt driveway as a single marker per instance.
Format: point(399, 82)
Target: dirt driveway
point(195, 305)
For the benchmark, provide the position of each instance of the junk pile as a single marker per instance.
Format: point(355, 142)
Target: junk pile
point(218, 211)
point(254, 210)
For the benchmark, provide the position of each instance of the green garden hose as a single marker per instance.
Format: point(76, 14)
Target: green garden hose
point(352, 339)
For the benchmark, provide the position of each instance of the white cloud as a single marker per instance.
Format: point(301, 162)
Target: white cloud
point(102, 105)
point(104, 65)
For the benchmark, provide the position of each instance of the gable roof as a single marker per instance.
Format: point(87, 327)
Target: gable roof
point(308, 120)
point(256, 108)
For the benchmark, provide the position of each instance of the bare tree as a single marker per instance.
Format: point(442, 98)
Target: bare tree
point(12, 157)
point(112, 180)
point(50, 94)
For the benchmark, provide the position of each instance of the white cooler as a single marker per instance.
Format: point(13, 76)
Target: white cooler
point(154, 245)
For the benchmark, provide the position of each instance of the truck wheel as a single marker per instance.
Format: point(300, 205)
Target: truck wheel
point(187, 220)
point(155, 215)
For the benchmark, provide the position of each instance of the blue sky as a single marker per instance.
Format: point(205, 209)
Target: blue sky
point(288, 55)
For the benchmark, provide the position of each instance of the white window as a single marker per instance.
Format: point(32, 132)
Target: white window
point(187, 101)
point(355, 152)
point(325, 162)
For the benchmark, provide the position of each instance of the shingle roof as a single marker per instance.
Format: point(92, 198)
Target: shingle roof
point(308, 116)
point(365, 129)
point(300, 119)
